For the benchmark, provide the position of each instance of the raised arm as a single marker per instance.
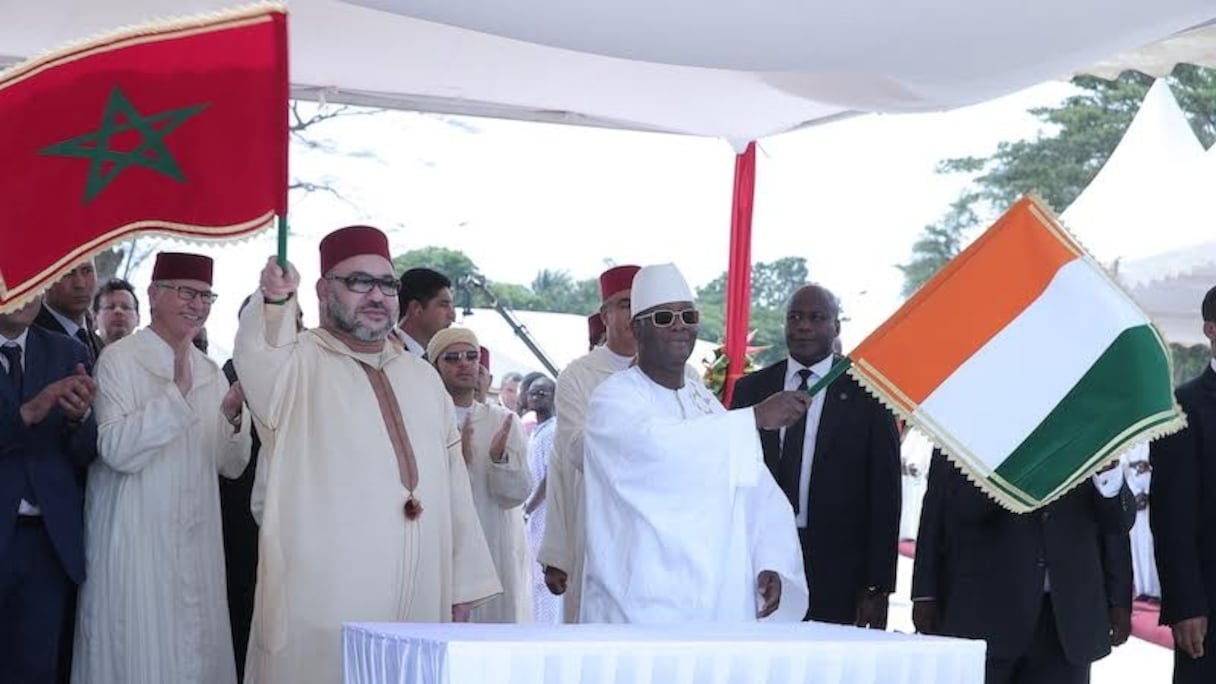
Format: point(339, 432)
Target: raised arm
point(510, 478)
point(266, 340)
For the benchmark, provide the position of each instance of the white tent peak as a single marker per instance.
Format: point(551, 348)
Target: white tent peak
point(1145, 200)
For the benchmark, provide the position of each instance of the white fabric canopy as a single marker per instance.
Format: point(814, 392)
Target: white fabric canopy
point(720, 68)
point(1173, 300)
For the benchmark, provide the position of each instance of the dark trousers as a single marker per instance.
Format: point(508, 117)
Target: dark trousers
point(1043, 662)
point(831, 605)
point(240, 557)
point(33, 598)
point(1188, 670)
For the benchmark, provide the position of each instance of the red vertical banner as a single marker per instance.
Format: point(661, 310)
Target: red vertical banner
point(739, 269)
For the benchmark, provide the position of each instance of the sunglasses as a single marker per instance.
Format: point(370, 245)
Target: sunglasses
point(663, 318)
point(455, 357)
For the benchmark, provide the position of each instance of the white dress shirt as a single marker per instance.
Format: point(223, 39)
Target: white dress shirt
point(792, 380)
point(411, 345)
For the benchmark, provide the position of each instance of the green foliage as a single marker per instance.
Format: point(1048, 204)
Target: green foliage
point(551, 290)
point(1056, 164)
point(557, 291)
point(1189, 361)
point(453, 263)
point(772, 285)
point(938, 244)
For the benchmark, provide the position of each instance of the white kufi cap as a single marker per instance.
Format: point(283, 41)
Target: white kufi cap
point(658, 284)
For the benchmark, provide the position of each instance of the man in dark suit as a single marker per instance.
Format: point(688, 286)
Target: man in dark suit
point(47, 434)
point(839, 466)
point(1034, 586)
point(65, 308)
point(1182, 515)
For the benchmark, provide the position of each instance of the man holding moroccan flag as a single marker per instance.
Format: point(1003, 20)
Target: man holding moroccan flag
point(177, 128)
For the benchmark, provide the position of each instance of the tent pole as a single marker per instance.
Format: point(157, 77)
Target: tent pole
point(738, 273)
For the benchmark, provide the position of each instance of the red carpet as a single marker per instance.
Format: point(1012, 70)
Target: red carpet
point(1144, 624)
point(1144, 613)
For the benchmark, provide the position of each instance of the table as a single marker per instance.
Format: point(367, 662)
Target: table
point(806, 653)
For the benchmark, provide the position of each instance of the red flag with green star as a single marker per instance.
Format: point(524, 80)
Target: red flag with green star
point(176, 129)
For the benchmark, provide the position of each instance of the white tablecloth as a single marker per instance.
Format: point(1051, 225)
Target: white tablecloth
point(806, 653)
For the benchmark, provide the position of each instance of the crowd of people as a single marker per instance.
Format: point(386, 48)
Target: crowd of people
point(166, 519)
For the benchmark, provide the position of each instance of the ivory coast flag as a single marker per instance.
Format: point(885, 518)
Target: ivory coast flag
point(1024, 362)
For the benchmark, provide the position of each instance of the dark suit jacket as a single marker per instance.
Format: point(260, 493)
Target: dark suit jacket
point(853, 501)
point(47, 321)
point(48, 453)
point(986, 566)
point(1182, 506)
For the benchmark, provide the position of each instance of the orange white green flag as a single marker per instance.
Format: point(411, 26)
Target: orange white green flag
point(1024, 361)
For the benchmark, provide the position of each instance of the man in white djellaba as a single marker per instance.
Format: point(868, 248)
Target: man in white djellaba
point(154, 608)
point(495, 452)
point(684, 522)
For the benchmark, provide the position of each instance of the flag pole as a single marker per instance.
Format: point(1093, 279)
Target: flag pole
point(835, 372)
point(283, 242)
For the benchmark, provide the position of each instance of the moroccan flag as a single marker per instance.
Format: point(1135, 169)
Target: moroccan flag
point(1025, 362)
point(177, 129)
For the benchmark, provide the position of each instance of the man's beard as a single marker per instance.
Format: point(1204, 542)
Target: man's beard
point(348, 322)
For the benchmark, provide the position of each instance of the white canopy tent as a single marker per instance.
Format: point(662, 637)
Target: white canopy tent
point(1148, 215)
point(719, 68)
point(1146, 199)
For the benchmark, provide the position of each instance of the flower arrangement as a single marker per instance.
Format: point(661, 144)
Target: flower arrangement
point(716, 367)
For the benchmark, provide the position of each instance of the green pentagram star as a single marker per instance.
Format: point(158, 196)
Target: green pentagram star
point(106, 163)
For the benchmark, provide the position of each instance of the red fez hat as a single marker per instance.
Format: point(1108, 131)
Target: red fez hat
point(350, 241)
point(617, 279)
point(485, 358)
point(182, 266)
point(595, 328)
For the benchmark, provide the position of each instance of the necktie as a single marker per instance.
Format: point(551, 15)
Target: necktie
point(789, 468)
point(84, 338)
point(15, 374)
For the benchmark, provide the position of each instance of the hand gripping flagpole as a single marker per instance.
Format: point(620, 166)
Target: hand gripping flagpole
point(836, 370)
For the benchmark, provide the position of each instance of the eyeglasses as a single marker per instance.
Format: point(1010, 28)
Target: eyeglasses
point(455, 357)
point(362, 283)
point(189, 294)
point(663, 318)
point(539, 393)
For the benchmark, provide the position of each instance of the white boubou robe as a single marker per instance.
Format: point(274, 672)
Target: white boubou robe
point(682, 515)
point(564, 540)
point(154, 608)
point(335, 543)
point(1144, 563)
point(499, 491)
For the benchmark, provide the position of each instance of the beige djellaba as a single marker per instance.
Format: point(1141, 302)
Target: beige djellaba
point(335, 544)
